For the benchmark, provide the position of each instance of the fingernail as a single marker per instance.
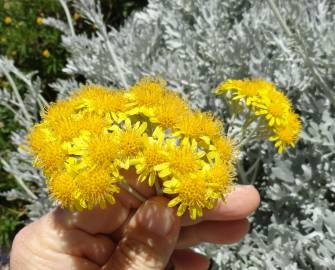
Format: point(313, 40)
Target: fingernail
point(156, 217)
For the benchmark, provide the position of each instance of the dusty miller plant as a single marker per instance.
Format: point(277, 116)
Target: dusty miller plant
point(195, 44)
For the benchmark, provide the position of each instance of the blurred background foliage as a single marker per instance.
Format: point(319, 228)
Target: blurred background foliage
point(34, 46)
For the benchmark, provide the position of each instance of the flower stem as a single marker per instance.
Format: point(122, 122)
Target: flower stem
point(132, 191)
point(68, 17)
point(19, 181)
point(18, 97)
point(158, 189)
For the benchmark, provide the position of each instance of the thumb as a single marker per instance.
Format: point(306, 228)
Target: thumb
point(149, 240)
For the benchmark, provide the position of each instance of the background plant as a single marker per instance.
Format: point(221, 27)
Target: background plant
point(196, 44)
point(34, 46)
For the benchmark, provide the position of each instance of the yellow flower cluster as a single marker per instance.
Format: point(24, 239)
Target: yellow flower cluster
point(84, 143)
point(272, 106)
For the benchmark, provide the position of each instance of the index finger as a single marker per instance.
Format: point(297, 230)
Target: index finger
point(240, 203)
point(109, 219)
point(94, 221)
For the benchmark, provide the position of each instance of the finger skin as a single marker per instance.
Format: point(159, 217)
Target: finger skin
point(186, 259)
point(94, 221)
point(141, 187)
point(149, 239)
point(240, 203)
point(106, 220)
point(36, 247)
point(216, 232)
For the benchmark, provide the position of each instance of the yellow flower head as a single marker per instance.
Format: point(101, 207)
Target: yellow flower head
point(153, 158)
point(55, 111)
point(38, 137)
point(76, 16)
point(51, 157)
point(130, 139)
point(220, 177)
point(94, 149)
point(288, 134)
point(247, 90)
point(96, 187)
point(224, 149)
point(198, 125)
point(192, 192)
point(169, 111)
point(46, 53)
point(68, 128)
point(275, 106)
point(63, 189)
point(101, 100)
point(39, 20)
point(148, 92)
point(182, 159)
point(8, 20)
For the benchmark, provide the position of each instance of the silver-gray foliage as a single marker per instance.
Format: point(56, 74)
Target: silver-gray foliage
point(195, 44)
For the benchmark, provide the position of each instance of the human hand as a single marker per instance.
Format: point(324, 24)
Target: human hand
point(120, 237)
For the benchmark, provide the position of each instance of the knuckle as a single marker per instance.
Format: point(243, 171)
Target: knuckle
point(135, 255)
point(21, 237)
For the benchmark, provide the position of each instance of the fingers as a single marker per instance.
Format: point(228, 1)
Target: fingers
point(141, 187)
point(242, 202)
point(186, 259)
point(216, 232)
point(38, 246)
point(53, 235)
point(93, 221)
point(113, 216)
point(149, 239)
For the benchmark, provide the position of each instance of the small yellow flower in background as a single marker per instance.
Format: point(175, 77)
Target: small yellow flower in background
point(8, 20)
point(287, 134)
point(46, 53)
point(267, 105)
point(89, 139)
point(39, 20)
point(275, 106)
point(76, 16)
point(246, 90)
